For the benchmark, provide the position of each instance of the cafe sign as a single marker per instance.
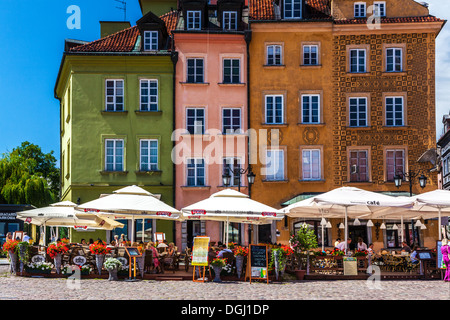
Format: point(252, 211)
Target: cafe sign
point(8, 216)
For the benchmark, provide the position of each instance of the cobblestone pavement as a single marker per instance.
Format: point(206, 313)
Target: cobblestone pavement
point(12, 287)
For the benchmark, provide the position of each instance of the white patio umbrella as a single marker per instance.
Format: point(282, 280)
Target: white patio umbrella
point(130, 203)
point(63, 214)
point(336, 204)
point(232, 206)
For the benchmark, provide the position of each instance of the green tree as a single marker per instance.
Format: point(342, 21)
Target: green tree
point(27, 175)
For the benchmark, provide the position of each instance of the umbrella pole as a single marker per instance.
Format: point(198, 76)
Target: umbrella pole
point(346, 230)
point(401, 228)
point(132, 230)
point(322, 233)
point(439, 224)
point(143, 226)
point(226, 235)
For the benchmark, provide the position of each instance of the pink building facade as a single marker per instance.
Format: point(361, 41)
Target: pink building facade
point(211, 117)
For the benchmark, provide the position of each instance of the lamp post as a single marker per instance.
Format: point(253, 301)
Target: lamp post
point(411, 175)
point(226, 179)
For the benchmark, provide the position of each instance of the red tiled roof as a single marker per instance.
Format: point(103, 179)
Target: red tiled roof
point(263, 9)
point(391, 20)
point(170, 19)
point(122, 41)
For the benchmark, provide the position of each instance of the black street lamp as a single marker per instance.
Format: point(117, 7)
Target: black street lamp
point(237, 172)
point(411, 175)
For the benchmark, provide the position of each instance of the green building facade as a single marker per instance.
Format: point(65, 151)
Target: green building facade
point(116, 111)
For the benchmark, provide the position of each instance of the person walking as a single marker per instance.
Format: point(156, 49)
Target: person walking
point(445, 250)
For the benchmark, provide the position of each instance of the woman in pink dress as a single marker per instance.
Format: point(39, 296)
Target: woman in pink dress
point(445, 250)
point(155, 256)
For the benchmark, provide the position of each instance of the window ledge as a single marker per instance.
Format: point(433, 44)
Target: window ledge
point(275, 181)
point(352, 74)
point(148, 113)
point(122, 173)
point(274, 124)
point(396, 127)
point(360, 183)
point(394, 73)
point(312, 180)
point(149, 173)
point(233, 134)
point(125, 112)
point(231, 187)
point(194, 83)
point(321, 124)
point(195, 187)
point(274, 66)
point(222, 84)
point(310, 66)
point(359, 128)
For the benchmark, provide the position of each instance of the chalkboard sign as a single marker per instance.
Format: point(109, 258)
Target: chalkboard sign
point(133, 252)
point(258, 262)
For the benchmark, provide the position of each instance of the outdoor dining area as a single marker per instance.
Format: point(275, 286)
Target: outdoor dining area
point(302, 257)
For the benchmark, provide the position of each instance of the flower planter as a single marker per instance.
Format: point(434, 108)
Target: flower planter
point(300, 274)
point(38, 271)
point(113, 274)
point(58, 260)
point(99, 260)
point(13, 261)
point(217, 271)
point(239, 265)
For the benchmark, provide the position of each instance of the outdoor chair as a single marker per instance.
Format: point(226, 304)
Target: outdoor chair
point(148, 261)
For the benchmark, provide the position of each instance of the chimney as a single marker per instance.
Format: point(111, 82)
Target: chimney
point(109, 27)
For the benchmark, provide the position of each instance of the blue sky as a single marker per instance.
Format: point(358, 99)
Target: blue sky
point(32, 43)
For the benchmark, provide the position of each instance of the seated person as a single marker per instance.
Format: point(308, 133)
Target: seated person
point(155, 255)
point(223, 249)
point(405, 247)
point(413, 256)
point(171, 249)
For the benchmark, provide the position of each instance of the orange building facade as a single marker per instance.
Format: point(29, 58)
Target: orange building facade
point(349, 87)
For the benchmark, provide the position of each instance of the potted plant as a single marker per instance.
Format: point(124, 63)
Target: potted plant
point(279, 259)
point(240, 253)
point(100, 250)
point(218, 264)
point(9, 247)
point(113, 265)
point(336, 253)
point(39, 267)
point(55, 251)
point(23, 253)
point(302, 241)
point(360, 253)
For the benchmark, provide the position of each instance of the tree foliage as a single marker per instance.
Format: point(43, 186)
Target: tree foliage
point(27, 175)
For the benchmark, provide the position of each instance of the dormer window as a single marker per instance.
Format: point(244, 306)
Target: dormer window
point(229, 21)
point(292, 9)
point(360, 9)
point(193, 20)
point(150, 40)
point(379, 9)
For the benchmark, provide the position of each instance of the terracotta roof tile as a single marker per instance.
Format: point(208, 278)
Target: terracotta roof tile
point(170, 19)
point(122, 41)
point(263, 9)
point(392, 20)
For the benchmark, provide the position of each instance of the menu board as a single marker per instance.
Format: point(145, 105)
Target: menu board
point(258, 262)
point(133, 252)
point(350, 266)
point(200, 251)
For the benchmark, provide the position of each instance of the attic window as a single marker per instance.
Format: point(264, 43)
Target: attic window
point(193, 20)
point(150, 40)
point(229, 20)
point(292, 9)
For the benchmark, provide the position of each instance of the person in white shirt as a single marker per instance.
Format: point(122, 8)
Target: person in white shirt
point(338, 240)
point(343, 246)
point(361, 245)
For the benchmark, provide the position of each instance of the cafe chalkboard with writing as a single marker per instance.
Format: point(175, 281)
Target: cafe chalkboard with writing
point(258, 263)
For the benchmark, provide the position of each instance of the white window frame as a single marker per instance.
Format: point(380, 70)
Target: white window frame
point(114, 97)
point(273, 120)
point(293, 12)
point(394, 63)
point(152, 99)
point(149, 40)
point(358, 64)
point(196, 162)
point(394, 111)
point(310, 58)
point(379, 8)
point(359, 10)
point(114, 163)
point(197, 124)
point(232, 68)
point(310, 111)
point(357, 112)
point(195, 74)
point(194, 20)
point(271, 174)
point(271, 60)
point(151, 165)
point(227, 21)
point(231, 129)
point(308, 153)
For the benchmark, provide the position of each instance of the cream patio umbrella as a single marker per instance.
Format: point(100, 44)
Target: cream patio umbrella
point(232, 206)
point(63, 214)
point(336, 204)
point(129, 203)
